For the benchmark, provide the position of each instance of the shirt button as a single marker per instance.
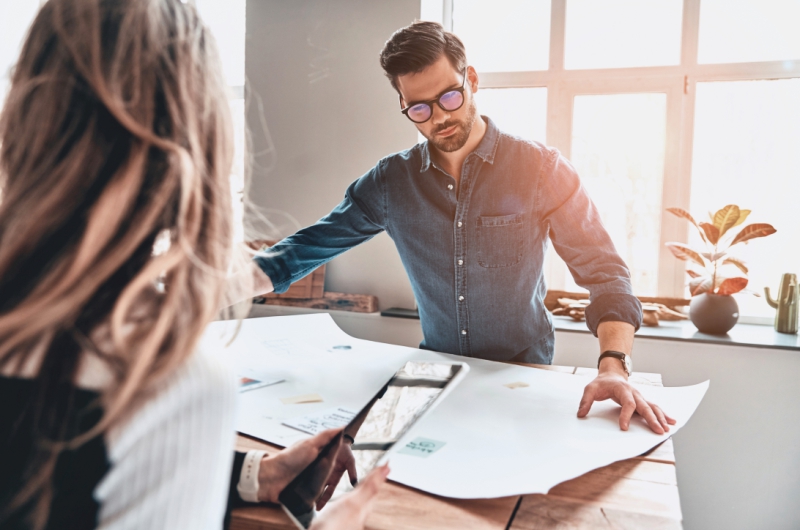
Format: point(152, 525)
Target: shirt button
point(461, 262)
point(449, 186)
point(460, 298)
point(459, 224)
point(463, 331)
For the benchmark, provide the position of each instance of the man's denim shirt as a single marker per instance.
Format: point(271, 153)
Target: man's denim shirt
point(475, 253)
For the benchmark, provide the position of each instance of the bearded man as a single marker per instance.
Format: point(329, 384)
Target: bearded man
point(471, 211)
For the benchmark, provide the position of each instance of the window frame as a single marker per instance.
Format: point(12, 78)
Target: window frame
point(679, 82)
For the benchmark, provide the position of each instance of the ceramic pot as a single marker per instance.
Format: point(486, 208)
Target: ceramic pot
point(714, 314)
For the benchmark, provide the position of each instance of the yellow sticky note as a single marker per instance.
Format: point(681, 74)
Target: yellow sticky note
point(305, 398)
point(516, 384)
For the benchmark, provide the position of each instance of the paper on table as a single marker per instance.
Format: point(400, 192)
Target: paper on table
point(498, 442)
point(316, 423)
point(305, 398)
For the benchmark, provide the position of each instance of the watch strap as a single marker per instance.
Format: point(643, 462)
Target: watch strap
point(617, 355)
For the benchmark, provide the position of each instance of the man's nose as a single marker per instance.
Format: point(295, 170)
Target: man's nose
point(439, 115)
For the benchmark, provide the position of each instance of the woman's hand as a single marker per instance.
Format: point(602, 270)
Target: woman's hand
point(350, 512)
point(345, 461)
point(277, 471)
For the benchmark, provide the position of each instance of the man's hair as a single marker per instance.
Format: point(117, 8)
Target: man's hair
point(415, 47)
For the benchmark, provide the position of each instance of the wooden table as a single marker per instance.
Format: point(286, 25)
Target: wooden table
point(640, 492)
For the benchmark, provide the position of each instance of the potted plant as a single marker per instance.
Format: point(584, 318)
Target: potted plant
point(713, 309)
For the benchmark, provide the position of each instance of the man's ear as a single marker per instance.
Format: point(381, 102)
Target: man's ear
point(402, 103)
point(472, 77)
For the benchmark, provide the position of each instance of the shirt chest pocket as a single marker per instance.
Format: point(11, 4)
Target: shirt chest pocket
point(500, 240)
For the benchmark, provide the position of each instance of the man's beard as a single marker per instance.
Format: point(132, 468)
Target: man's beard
point(455, 141)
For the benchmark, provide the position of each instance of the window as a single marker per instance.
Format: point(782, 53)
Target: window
point(226, 21)
point(14, 23)
point(664, 103)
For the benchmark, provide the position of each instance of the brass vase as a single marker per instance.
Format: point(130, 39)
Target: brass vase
point(786, 316)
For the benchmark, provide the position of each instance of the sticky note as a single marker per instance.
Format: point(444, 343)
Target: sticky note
point(305, 398)
point(516, 384)
point(421, 447)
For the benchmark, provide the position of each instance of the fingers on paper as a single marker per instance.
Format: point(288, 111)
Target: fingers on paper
point(663, 420)
point(586, 401)
point(646, 411)
point(628, 408)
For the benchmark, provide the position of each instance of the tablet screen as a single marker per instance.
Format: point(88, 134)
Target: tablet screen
point(393, 410)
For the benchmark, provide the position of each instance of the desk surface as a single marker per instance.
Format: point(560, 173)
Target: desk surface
point(640, 492)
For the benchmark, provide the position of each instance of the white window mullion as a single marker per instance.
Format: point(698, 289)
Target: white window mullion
point(690, 32)
point(676, 186)
point(558, 25)
point(447, 14)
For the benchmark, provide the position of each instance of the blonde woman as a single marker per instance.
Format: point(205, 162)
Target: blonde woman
point(115, 134)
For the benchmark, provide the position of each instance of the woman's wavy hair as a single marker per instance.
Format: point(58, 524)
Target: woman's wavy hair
point(116, 132)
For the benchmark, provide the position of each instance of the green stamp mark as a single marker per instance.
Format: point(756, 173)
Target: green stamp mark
point(422, 447)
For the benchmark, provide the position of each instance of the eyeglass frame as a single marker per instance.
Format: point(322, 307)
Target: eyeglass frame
point(437, 100)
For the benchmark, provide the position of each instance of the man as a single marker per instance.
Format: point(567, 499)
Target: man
point(470, 212)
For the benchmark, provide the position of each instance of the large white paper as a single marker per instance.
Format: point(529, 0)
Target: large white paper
point(492, 440)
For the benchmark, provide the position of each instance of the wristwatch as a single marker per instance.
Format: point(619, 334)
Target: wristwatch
point(627, 364)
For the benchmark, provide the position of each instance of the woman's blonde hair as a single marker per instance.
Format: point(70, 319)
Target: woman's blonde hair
point(116, 132)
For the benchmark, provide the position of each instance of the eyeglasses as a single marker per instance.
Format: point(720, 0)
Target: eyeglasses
point(449, 101)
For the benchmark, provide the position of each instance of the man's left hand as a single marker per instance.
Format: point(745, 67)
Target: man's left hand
point(612, 384)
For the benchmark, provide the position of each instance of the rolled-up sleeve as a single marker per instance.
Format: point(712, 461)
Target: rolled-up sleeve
point(359, 217)
point(578, 235)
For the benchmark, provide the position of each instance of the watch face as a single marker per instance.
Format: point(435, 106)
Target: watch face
point(628, 364)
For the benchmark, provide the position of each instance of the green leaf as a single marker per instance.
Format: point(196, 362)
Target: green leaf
point(732, 285)
point(725, 218)
point(711, 231)
point(753, 231)
point(736, 262)
point(684, 252)
point(679, 212)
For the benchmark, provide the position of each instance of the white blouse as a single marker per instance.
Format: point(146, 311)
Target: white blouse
point(171, 459)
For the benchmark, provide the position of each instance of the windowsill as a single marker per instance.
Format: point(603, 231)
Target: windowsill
point(752, 335)
point(748, 335)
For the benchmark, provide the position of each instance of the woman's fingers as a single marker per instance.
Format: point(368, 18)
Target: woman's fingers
point(351, 511)
point(369, 487)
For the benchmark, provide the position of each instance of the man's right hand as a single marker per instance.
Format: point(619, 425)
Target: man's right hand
point(262, 284)
point(350, 512)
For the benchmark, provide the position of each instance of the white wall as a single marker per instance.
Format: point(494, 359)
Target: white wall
point(331, 115)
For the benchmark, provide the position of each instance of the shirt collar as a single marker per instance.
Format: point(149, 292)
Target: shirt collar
point(486, 149)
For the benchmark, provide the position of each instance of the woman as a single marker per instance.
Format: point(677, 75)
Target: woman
point(116, 135)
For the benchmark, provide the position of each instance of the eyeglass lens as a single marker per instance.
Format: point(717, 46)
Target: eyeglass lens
point(448, 101)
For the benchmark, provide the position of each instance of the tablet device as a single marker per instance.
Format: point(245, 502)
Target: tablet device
point(378, 428)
